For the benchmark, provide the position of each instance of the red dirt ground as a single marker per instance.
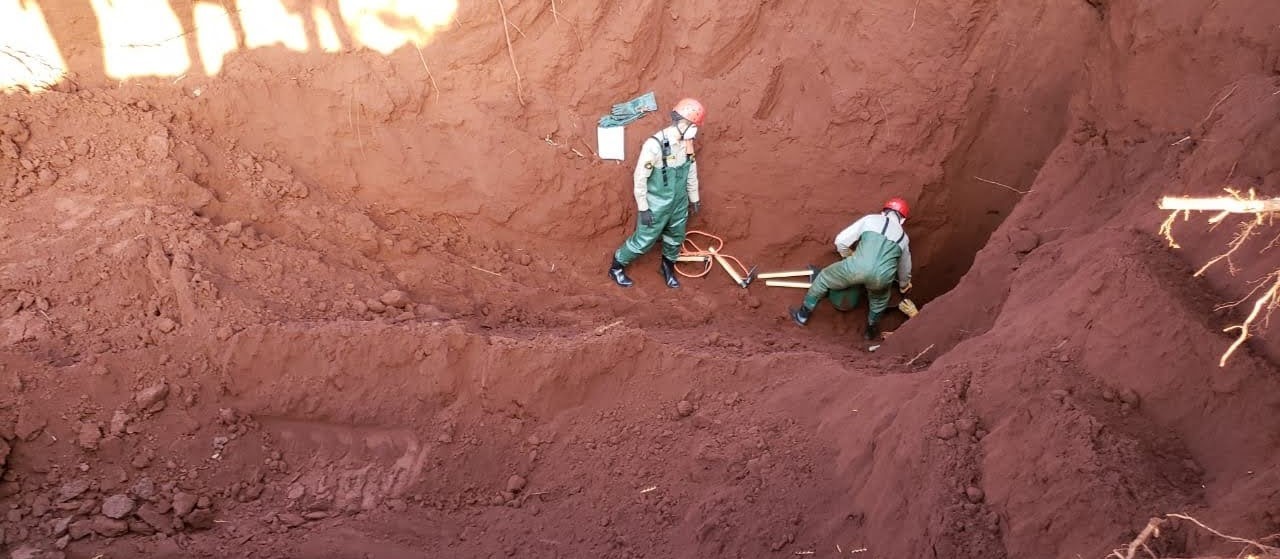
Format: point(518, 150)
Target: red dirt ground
point(313, 307)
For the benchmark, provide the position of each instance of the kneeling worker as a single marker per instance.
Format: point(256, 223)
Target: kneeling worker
point(882, 253)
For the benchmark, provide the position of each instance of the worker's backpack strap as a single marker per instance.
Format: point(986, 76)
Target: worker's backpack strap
point(885, 229)
point(666, 152)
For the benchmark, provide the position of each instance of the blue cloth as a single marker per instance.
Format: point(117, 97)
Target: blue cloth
point(630, 111)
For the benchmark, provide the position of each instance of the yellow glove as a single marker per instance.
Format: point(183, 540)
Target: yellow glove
point(908, 308)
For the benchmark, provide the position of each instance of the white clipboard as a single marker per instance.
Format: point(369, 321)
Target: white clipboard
point(611, 142)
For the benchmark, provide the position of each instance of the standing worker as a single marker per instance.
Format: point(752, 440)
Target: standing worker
point(666, 183)
point(882, 253)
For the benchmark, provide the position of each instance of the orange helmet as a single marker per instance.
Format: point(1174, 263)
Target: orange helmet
point(691, 110)
point(898, 205)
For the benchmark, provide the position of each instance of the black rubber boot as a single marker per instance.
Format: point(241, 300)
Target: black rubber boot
point(872, 332)
point(801, 314)
point(619, 275)
point(669, 273)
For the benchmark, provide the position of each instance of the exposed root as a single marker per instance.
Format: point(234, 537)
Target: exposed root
point(1152, 531)
point(434, 87)
point(42, 66)
point(919, 355)
point(506, 31)
point(1166, 228)
point(1002, 185)
point(1245, 232)
point(1251, 544)
point(359, 113)
point(1263, 213)
point(1235, 203)
point(1269, 301)
point(1220, 101)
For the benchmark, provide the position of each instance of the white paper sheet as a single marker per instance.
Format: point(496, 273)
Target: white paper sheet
point(611, 142)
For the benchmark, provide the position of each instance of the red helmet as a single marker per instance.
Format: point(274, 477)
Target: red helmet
point(691, 110)
point(898, 205)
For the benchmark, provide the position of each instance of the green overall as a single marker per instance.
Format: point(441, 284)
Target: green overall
point(669, 204)
point(873, 265)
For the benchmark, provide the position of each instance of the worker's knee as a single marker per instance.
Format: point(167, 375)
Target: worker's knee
point(878, 302)
point(644, 240)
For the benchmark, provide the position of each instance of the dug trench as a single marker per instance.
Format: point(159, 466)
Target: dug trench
point(335, 304)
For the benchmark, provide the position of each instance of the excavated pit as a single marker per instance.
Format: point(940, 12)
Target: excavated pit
point(338, 289)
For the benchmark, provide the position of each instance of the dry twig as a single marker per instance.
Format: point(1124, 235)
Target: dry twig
point(601, 330)
point(512, 53)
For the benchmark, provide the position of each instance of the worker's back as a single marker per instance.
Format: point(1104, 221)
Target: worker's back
point(876, 260)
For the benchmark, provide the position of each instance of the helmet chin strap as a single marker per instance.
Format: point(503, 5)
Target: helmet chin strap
point(677, 121)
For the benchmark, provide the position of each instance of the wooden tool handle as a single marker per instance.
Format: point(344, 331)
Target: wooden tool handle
point(791, 274)
point(724, 264)
point(781, 283)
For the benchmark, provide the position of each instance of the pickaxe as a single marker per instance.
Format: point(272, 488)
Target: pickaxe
point(738, 279)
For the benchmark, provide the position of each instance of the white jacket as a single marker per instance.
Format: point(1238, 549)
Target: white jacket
point(650, 160)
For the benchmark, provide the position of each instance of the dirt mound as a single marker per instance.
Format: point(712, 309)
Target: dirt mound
point(351, 302)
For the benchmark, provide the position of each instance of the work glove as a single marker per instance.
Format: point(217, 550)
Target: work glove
point(905, 288)
point(697, 207)
point(646, 217)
